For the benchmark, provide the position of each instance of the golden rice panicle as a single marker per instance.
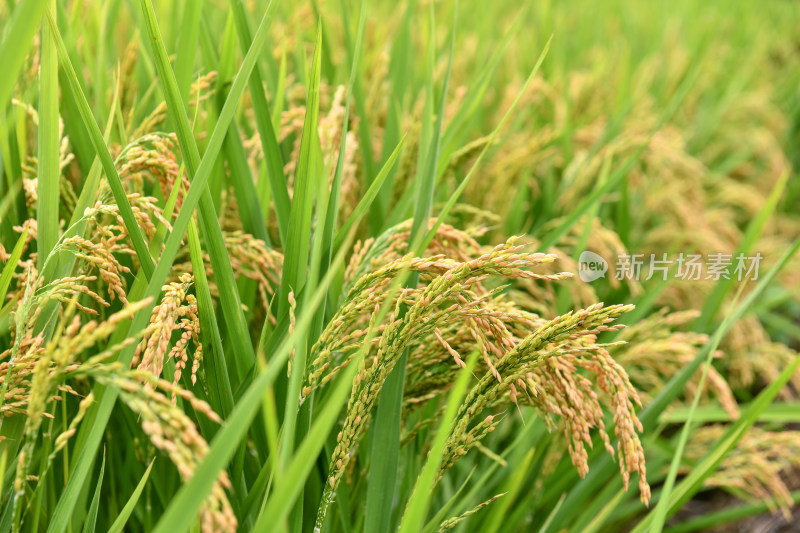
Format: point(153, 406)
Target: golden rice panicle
point(153, 156)
point(35, 294)
point(176, 311)
point(344, 332)
point(391, 245)
point(545, 369)
point(450, 523)
point(61, 440)
point(109, 223)
point(450, 294)
point(41, 375)
point(100, 256)
point(250, 258)
point(190, 326)
point(656, 349)
point(173, 432)
point(253, 259)
point(760, 465)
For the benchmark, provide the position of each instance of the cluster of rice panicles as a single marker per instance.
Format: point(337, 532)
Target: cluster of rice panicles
point(686, 205)
point(500, 303)
point(53, 344)
point(34, 373)
point(173, 432)
point(655, 351)
point(761, 465)
point(459, 307)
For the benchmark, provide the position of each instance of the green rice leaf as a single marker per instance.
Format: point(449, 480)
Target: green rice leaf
point(91, 519)
point(18, 40)
point(49, 172)
point(11, 264)
point(296, 257)
point(418, 504)
point(266, 131)
point(119, 524)
point(125, 211)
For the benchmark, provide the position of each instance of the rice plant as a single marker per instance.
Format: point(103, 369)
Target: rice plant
point(415, 266)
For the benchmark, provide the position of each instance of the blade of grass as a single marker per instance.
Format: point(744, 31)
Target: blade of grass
point(441, 513)
point(78, 222)
point(11, 264)
point(266, 132)
point(169, 209)
point(49, 173)
point(364, 135)
point(119, 523)
point(125, 211)
point(250, 209)
point(660, 511)
point(331, 219)
point(260, 488)
point(91, 518)
point(425, 190)
point(12, 166)
point(244, 187)
point(279, 91)
point(73, 128)
point(527, 436)
point(291, 483)
point(297, 246)
point(92, 184)
point(219, 387)
point(399, 79)
point(500, 510)
point(311, 181)
point(296, 256)
point(22, 26)
point(781, 413)
point(385, 445)
point(8, 202)
point(187, 46)
point(218, 382)
point(420, 500)
point(599, 521)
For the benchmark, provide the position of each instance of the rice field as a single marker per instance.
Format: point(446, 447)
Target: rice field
point(417, 266)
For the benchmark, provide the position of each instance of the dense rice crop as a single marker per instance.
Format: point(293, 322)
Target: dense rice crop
point(369, 266)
